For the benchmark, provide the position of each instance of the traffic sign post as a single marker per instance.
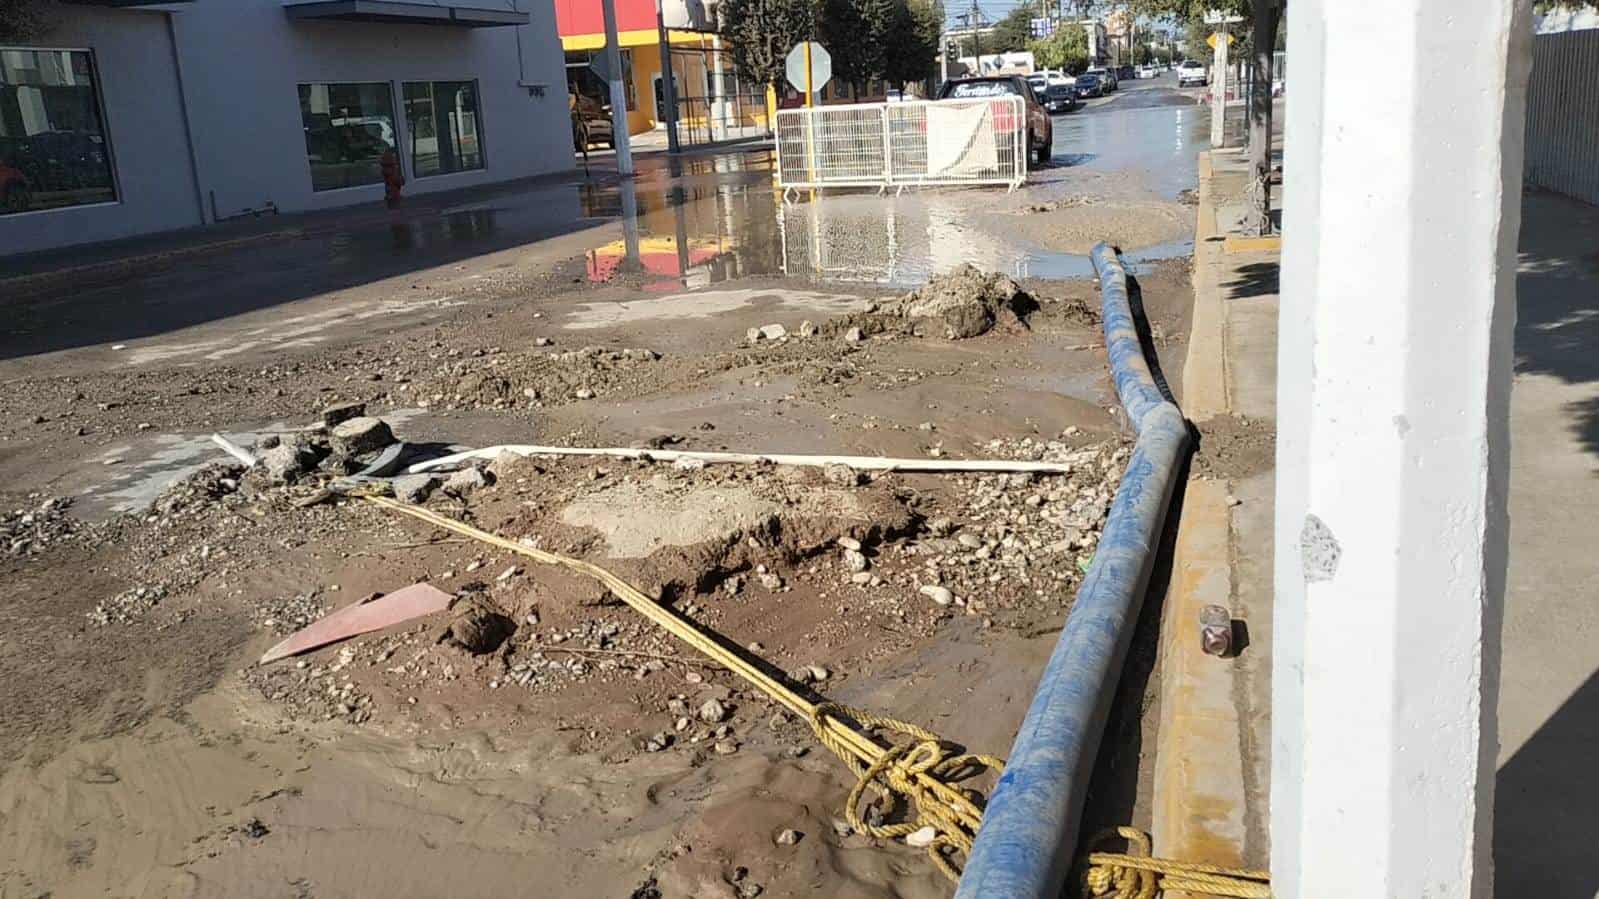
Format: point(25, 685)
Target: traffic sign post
point(1219, 42)
point(809, 67)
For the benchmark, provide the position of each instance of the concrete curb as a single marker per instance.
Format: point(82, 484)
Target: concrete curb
point(1199, 808)
point(1029, 837)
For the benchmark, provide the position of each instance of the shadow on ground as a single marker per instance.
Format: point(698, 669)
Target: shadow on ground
point(1546, 810)
point(1557, 306)
point(1258, 279)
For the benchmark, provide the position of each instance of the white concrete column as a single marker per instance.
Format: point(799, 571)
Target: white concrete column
point(1401, 210)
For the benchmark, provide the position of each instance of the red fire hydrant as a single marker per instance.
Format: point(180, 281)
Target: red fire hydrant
point(393, 178)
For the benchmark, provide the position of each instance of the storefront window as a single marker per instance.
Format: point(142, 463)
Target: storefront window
point(53, 149)
point(348, 128)
point(442, 117)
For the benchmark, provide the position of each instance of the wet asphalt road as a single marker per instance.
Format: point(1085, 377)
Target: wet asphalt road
point(696, 221)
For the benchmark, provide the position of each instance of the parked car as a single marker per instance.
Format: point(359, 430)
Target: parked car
point(1040, 128)
point(1057, 92)
point(1089, 85)
point(591, 123)
point(1192, 72)
point(1126, 73)
point(1107, 78)
point(1148, 71)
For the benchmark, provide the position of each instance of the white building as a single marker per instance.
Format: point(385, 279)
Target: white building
point(131, 117)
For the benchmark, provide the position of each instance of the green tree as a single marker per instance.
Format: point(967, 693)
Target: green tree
point(761, 32)
point(22, 20)
point(913, 42)
point(1066, 49)
point(852, 31)
point(1012, 33)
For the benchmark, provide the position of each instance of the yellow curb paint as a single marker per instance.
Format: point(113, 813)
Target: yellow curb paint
point(1199, 771)
point(1252, 244)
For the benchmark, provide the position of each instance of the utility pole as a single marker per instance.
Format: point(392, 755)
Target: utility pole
point(668, 85)
point(613, 72)
point(977, 36)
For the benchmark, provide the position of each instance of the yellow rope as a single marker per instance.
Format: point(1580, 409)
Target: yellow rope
point(921, 773)
point(1136, 875)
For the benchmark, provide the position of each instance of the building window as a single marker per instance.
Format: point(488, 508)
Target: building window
point(53, 149)
point(442, 117)
point(582, 79)
point(348, 129)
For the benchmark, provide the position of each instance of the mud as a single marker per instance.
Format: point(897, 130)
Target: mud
point(1233, 447)
point(551, 745)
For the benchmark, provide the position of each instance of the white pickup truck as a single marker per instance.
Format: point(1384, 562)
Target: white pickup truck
point(1192, 71)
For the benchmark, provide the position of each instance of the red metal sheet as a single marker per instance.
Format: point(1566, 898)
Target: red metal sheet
point(363, 617)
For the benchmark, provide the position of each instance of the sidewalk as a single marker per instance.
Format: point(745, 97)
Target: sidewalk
point(1212, 763)
point(1213, 760)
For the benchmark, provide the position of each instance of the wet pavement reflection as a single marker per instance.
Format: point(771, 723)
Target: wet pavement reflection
point(680, 223)
point(715, 223)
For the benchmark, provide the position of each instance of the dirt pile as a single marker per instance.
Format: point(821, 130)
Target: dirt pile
point(500, 380)
point(38, 525)
point(964, 303)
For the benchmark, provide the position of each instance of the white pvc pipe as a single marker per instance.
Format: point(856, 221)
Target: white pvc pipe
point(864, 463)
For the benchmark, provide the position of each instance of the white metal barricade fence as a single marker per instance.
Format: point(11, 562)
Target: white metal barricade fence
point(975, 141)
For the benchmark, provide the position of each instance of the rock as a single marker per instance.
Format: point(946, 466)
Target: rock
point(583, 393)
point(854, 335)
point(841, 827)
point(970, 541)
point(855, 561)
point(726, 747)
point(842, 475)
point(658, 742)
point(818, 673)
point(923, 838)
point(770, 581)
point(509, 573)
point(940, 527)
point(773, 332)
point(753, 335)
point(788, 837)
point(807, 328)
point(480, 631)
point(861, 578)
point(849, 543)
point(542, 341)
point(712, 711)
point(966, 302)
point(360, 435)
point(336, 415)
point(284, 463)
point(465, 481)
point(941, 595)
point(1233, 500)
point(414, 488)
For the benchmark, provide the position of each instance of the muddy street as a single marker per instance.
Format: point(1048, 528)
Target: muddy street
point(539, 737)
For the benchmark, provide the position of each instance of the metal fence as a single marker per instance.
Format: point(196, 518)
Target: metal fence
point(977, 141)
point(1563, 114)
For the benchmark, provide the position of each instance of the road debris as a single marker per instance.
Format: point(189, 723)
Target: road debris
point(363, 617)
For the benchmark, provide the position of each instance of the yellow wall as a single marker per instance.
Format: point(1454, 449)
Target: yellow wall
point(645, 50)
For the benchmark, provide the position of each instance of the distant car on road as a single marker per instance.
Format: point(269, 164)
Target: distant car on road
point(1192, 72)
point(1056, 91)
point(1089, 85)
point(1126, 73)
point(1107, 78)
point(1040, 128)
point(1148, 71)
